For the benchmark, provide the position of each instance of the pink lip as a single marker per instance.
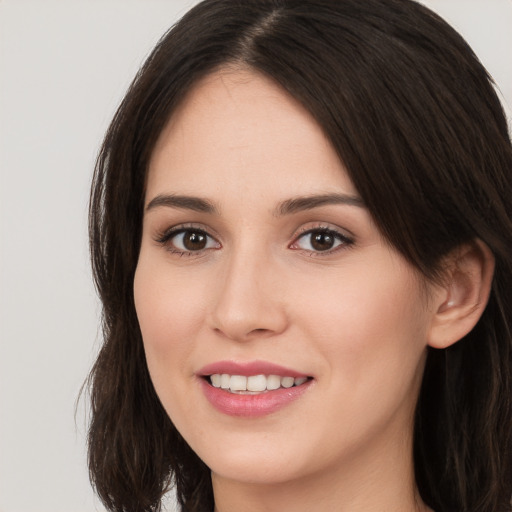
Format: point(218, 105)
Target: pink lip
point(248, 368)
point(250, 406)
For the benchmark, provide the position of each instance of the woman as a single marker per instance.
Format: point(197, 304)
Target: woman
point(301, 232)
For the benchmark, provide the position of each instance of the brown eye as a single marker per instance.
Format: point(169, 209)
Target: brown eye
point(321, 240)
point(194, 241)
point(184, 241)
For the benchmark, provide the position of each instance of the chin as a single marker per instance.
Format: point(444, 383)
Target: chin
point(256, 470)
point(249, 455)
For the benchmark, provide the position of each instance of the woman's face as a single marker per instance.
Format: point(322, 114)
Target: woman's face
point(259, 259)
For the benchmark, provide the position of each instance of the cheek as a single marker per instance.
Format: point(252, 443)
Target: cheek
point(170, 314)
point(363, 297)
point(370, 321)
point(370, 329)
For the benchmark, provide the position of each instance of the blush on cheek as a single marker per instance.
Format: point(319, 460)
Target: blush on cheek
point(169, 321)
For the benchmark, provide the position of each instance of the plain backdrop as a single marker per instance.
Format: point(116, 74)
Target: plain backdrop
point(64, 66)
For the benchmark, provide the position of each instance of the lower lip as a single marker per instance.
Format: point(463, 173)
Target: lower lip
point(251, 406)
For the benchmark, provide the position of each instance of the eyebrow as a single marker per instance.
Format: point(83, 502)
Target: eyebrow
point(196, 204)
point(287, 207)
point(302, 203)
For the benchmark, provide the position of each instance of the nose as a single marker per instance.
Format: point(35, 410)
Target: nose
point(250, 301)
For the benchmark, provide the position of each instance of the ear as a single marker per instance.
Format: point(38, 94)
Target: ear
point(461, 300)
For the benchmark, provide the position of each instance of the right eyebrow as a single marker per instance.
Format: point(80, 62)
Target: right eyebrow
point(197, 204)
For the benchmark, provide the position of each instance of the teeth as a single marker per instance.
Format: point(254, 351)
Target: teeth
point(254, 383)
point(224, 381)
point(238, 383)
point(287, 382)
point(273, 382)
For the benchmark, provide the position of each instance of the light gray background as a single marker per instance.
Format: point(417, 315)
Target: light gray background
point(64, 66)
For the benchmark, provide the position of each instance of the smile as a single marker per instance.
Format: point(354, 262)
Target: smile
point(252, 388)
point(254, 384)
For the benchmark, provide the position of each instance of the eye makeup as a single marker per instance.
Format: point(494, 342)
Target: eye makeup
point(192, 240)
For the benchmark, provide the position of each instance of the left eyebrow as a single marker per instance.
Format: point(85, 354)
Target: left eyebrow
point(298, 204)
point(197, 204)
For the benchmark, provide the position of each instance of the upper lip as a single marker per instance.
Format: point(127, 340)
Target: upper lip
point(248, 368)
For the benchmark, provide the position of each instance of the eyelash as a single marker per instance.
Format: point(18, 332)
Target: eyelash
point(343, 240)
point(165, 239)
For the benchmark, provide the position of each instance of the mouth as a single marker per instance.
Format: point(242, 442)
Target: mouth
point(252, 389)
point(253, 384)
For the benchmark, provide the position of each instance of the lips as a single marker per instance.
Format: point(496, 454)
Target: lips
point(251, 389)
point(248, 368)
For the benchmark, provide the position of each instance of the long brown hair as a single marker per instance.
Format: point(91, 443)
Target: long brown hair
point(414, 118)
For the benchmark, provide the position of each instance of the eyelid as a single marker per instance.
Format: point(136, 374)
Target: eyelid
point(325, 226)
point(347, 239)
point(164, 237)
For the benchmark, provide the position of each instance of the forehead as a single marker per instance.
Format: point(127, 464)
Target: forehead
point(238, 129)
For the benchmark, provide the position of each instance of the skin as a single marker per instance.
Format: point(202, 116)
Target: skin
point(355, 318)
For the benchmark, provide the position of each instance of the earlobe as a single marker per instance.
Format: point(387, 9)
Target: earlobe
point(461, 301)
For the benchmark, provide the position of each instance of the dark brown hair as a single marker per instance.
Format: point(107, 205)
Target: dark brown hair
point(414, 118)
